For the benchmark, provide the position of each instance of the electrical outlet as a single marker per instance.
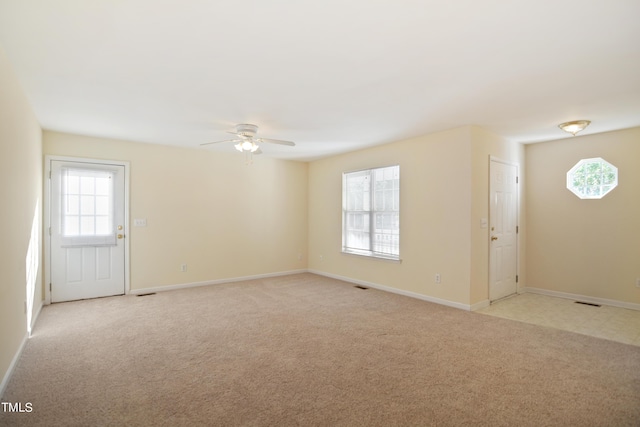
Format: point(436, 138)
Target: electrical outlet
point(638, 282)
point(321, 258)
point(438, 279)
point(183, 268)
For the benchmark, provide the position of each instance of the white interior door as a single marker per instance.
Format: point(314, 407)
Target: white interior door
point(503, 212)
point(87, 219)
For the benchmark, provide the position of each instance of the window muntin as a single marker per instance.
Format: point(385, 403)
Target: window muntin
point(592, 178)
point(371, 212)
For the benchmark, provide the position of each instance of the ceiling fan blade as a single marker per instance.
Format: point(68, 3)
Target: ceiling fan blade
point(276, 141)
point(217, 142)
point(258, 151)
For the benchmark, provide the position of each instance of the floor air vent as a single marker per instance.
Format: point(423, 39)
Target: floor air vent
point(361, 287)
point(587, 303)
point(144, 295)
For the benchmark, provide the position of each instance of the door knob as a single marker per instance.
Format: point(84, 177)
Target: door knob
point(493, 238)
point(120, 236)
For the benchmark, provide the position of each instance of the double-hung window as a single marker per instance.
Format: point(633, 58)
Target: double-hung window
point(371, 212)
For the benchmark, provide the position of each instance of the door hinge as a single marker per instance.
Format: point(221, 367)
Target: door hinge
point(49, 231)
point(49, 287)
point(516, 278)
point(517, 229)
point(516, 179)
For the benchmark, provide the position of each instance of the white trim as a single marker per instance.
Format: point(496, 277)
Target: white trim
point(392, 290)
point(371, 255)
point(506, 162)
point(448, 303)
point(212, 282)
point(12, 366)
point(16, 357)
point(47, 217)
point(480, 305)
point(584, 298)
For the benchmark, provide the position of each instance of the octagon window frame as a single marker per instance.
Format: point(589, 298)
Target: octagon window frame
point(592, 178)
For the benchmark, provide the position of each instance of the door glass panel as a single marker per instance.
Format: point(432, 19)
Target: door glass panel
point(87, 204)
point(71, 225)
point(87, 207)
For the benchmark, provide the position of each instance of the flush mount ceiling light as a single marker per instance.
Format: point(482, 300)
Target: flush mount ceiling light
point(574, 126)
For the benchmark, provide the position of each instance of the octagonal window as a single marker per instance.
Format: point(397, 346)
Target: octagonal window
point(592, 178)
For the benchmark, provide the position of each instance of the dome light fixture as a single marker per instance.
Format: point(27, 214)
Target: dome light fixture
point(575, 126)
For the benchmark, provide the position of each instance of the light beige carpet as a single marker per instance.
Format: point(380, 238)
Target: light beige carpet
point(311, 351)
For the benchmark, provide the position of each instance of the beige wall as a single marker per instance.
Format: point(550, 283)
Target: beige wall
point(222, 218)
point(182, 194)
point(20, 195)
point(439, 214)
point(584, 247)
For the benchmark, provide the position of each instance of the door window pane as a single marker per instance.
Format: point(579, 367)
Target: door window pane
point(87, 205)
point(87, 216)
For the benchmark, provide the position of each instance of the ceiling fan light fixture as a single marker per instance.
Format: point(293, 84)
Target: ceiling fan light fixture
point(245, 141)
point(575, 126)
point(246, 147)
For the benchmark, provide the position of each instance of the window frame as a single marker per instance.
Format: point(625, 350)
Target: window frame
point(373, 210)
point(581, 191)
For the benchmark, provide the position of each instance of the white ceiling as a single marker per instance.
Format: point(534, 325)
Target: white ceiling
point(331, 75)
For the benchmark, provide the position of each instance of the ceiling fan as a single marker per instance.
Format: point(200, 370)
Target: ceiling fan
point(245, 140)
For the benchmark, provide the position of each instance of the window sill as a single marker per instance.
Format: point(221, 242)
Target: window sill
point(392, 259)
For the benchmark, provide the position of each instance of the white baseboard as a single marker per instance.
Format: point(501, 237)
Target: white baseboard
point(584, 298)
point(212, 282)
point(448, 303)
point(480, 305)
point(16, 357)
point(466, 307)
point(12, 366)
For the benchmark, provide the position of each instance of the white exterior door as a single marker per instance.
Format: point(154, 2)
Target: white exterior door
point(87, 229)
point(503, 212)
